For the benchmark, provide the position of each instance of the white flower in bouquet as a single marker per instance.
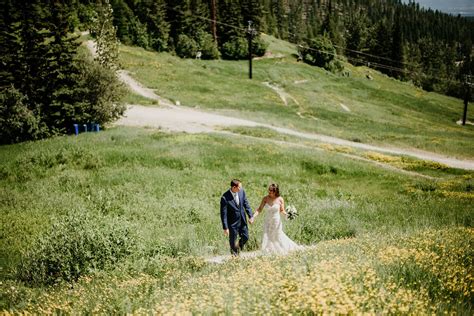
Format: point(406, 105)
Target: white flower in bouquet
point(291, 212)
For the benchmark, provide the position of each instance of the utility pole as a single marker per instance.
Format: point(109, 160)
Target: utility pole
point(213, 20)
point(468, 83)
point(250, 34)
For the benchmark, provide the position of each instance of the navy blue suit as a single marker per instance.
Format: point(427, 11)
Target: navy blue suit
point(234, 218)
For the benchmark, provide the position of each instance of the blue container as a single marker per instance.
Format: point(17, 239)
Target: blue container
point(96, 127)
point(76, 129)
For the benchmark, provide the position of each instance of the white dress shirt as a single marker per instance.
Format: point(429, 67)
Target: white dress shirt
point(236, 197)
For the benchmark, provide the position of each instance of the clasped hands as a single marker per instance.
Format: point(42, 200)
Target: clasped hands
point(251, 220)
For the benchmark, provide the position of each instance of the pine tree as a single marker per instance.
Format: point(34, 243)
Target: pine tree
point(397, 48)
point(252, 10)
point(153, 14)
point(229, 11)
point(61, 69)
point(123, 17)
point(296, 26)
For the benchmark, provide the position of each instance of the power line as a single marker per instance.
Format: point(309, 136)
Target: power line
point(243, 29)
point(369, 63)
point(375, 56)
point(360, 52)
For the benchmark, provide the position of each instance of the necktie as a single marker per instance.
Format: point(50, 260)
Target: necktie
point(236, 198)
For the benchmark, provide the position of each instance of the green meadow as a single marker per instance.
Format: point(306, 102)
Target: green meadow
point(382, 110)
point(126, 220)
point(123, 221)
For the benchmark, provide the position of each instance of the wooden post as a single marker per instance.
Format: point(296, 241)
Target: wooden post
point(466, 101)
point(467, 96)
point(214, 20)
point(250, 34)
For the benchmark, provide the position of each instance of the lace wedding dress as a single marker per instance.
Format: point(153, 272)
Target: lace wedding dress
point(274, 239)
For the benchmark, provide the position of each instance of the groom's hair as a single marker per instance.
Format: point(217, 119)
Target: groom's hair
point(234, 183)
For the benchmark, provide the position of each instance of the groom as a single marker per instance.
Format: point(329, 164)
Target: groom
point(234, 205)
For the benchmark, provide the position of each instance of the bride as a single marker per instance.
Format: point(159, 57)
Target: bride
point(274, 239)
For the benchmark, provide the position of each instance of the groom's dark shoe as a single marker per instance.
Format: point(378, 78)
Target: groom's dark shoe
point(241, 246)
point(236, 250)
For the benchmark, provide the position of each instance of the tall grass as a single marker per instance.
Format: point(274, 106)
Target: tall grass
point(165, 188)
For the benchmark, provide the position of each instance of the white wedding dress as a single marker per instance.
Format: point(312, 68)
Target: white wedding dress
point(275, 240)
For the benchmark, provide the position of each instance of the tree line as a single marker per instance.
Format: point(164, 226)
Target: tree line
point(406, 41)
point(46, 84)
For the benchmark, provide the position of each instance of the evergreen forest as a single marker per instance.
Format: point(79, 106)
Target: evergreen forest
point(405, 41)
point(46, 83)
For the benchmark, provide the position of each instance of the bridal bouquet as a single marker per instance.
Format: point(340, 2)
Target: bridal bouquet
point(291, 212)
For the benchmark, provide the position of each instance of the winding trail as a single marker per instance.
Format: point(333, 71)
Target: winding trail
point(181, 119)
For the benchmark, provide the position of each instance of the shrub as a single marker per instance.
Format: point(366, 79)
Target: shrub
point(207, 46)
point(321, 52)
point(101, 93)
point(17, 122)
point(259, 46)
point(186, 47)
point(236, 48)
point(318, 168)
point(75, 245)
point(140, 33)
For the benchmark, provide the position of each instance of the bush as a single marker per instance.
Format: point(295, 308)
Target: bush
point(75, 245)
point(207, 46)
point(235, 49)
point(186, 47)
point(100, 94)
point(17, 122)
point(259, 46)
point(321, 52)
point(140, 33)
point(95, 97)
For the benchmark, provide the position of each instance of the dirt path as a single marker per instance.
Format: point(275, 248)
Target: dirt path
point(181, 119)
point(176, 118)
point(250, 255)
point(284, 96)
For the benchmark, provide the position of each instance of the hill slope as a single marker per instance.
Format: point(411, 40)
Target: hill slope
point(121, 221)
point(379, 111)
point(157, 195)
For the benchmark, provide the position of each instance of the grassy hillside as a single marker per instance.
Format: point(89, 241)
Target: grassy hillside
point(382, 110)
point(132, 213)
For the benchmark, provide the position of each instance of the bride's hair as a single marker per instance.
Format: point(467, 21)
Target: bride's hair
point(274, 188)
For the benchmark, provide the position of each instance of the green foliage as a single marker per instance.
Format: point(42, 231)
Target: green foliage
point(45, 88)
point(236, 48)
point(186, 47)
point(165, 188)
point(76, 244)
point(321, 52)
point(139, 33)
point(153, 15)
point(207, 46)
point(259, 46)
point(86, 14)
point(17, 121)
point(104, 31)
point(101, 93)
